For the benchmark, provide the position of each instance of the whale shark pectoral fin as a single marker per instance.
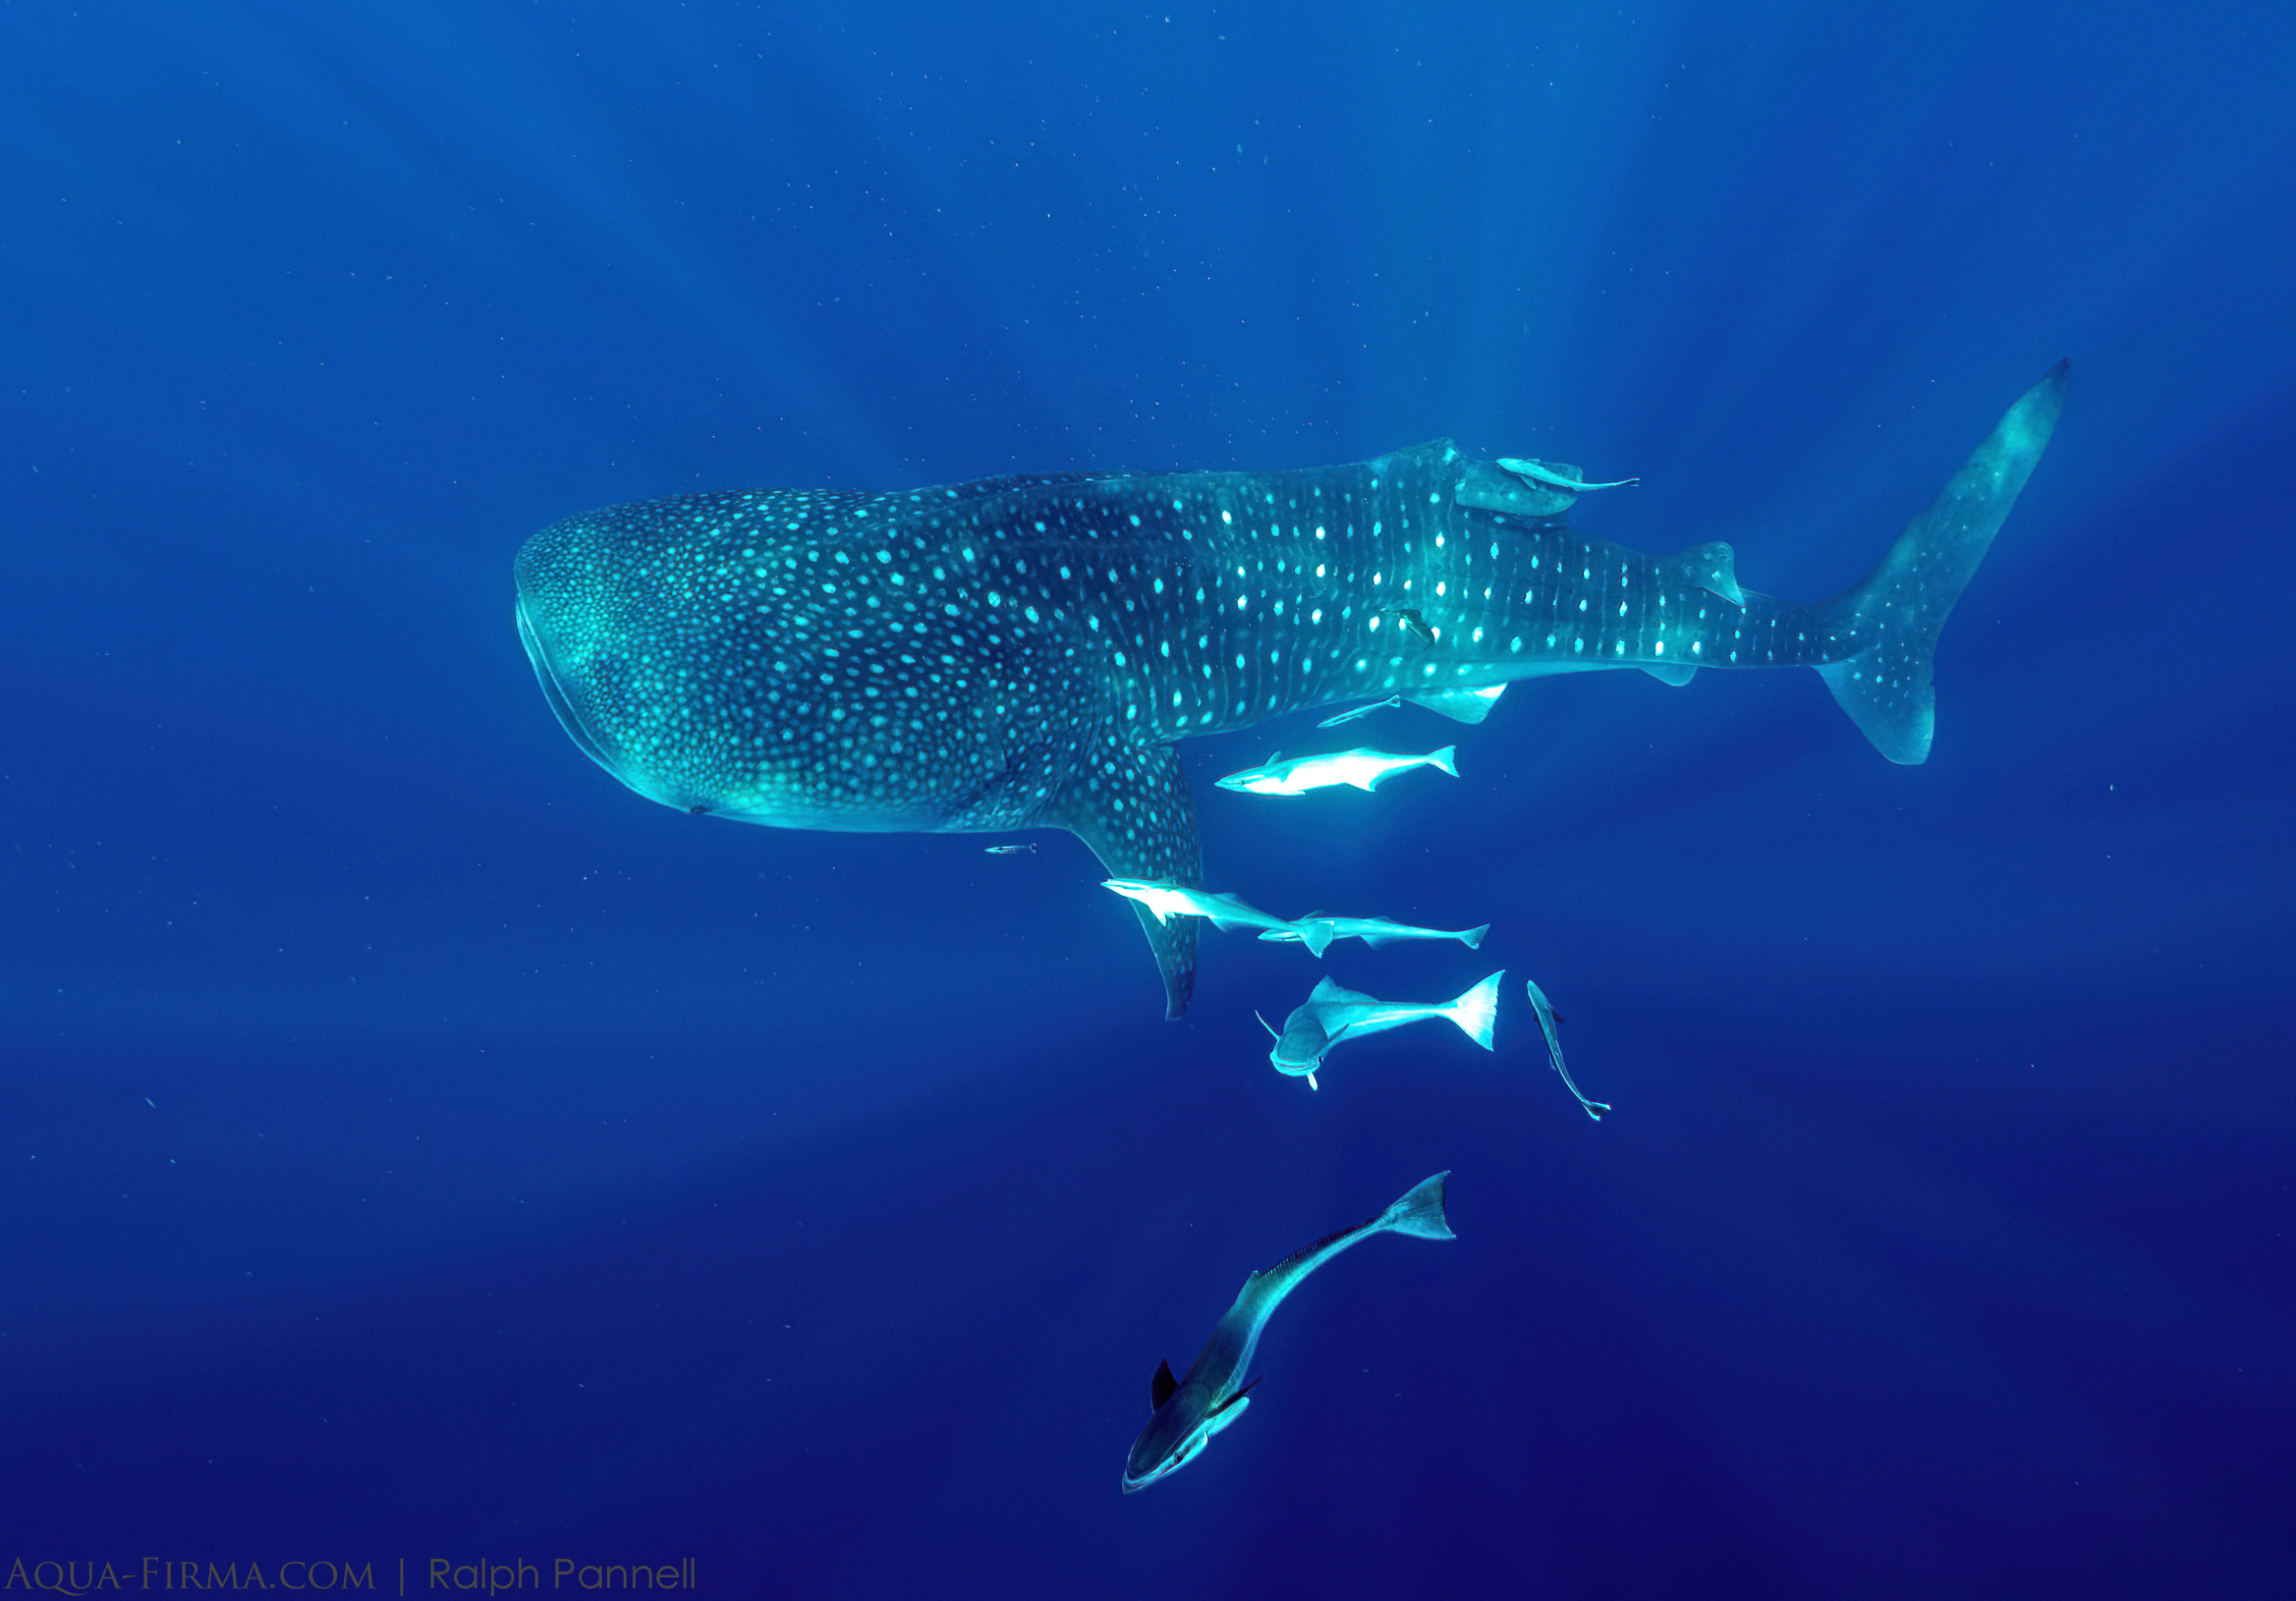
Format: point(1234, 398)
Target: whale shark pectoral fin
point(1461, 705)
point(1139, 821)
point(1675, 673)
point(1161, 1384)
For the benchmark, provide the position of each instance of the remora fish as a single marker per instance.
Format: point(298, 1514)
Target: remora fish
point(1189, 1411)
point(1331, 1014)
point(1546, 1022)
point(1168, 901)
point(1317, 931)
point(1364, 768)
point(1361, 711)
point(1025, 652)
point(1556, 474)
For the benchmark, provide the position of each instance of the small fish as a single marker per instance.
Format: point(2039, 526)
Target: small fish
point(1009, 850)
point(1316, 931)
point(1187, 1411)
point(1366, 769)
point(1562, 474)
point(1546, 1021)
point(1331, 1014)
point(1407, 619)
point(1167, 901)
point(1361, 711)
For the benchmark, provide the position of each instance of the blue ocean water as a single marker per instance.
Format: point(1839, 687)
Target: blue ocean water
point(420, 1149)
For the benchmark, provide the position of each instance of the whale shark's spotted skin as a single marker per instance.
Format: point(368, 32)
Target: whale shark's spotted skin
point(1024, 652)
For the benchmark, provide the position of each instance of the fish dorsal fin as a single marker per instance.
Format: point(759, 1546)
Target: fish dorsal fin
point(1326, 989)
point(1161, 1384)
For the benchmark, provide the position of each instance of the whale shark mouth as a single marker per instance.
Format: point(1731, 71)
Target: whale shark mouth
point(547, 671)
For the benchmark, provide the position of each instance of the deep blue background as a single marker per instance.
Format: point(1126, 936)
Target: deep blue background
point(416, 1145)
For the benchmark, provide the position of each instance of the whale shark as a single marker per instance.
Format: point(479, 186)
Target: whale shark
point(1029, 651)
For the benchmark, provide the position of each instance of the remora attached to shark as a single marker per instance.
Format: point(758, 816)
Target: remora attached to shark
point(1027, 653)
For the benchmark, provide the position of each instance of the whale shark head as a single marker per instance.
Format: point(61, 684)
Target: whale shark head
point(683, 654)
point(602, 636)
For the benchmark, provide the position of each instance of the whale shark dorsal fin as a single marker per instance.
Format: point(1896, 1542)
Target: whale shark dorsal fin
point(1495, 487)
point(1161, 1384)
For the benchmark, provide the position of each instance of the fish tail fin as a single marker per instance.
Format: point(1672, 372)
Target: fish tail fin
point(1476, 1012)
point(1894, 617)
point(1421, 1212)
point(1446, 758)
point(1473, 938)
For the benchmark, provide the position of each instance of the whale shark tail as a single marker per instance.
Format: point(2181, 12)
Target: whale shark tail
point(1420, 1211)
point(1476, 1012)
point(1901, 607)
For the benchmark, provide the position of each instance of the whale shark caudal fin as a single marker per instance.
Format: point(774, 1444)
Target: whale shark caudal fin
point(1903, 603)
point(1136, 817)
point(1421, 1212)
point(1476, 1012)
